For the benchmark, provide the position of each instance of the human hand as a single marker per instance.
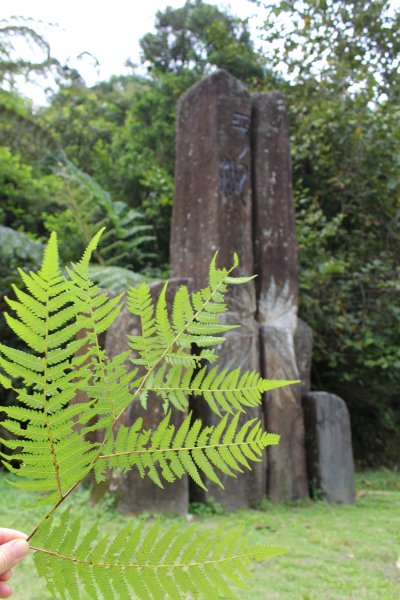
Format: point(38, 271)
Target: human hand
point(13, 547)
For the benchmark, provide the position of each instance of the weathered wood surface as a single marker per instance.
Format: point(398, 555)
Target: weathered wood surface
point(275, 254)
point(213, 211)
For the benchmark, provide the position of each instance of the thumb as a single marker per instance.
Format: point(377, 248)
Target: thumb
point(11, 554)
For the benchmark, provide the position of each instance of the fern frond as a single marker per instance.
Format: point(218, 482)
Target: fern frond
point(47, 320)
point(115, 278)
point(100, 311)
point(127, 234)
point(168, 452)
point(145, 564)
point(164, 347)
point(230, 391)
point(140, 303)
point(54, 455)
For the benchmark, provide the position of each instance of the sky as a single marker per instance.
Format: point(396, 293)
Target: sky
point(110, 31)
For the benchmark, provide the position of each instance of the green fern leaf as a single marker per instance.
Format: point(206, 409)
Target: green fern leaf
point(109, 384)
point(230, 391)
point(169, 452)
point(109, 388)
point(159, 562)
point(140, 303)
point(51, 377)
point(195, 319)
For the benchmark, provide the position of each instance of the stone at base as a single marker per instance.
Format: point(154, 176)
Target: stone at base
point(329, 449)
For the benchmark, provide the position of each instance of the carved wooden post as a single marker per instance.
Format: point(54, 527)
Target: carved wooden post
point(213, 211)
point(276, 267)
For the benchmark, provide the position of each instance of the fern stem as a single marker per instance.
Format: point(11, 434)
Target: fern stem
point(170, 450)
point(54, 508)
point(89, 563)
point(46, 414)
point(199, 391)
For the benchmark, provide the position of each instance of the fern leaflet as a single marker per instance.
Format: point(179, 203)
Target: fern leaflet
point(169, 452)
point(230, 391)
point(195, 320)
point(109, 384)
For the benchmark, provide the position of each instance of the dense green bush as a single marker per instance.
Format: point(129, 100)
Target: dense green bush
point(341, 60)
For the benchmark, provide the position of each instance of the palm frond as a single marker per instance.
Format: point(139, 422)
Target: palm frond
point(115, 278)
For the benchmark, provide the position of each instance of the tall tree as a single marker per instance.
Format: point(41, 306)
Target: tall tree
point(351, 45)
point(199, 37)
point(341, 59)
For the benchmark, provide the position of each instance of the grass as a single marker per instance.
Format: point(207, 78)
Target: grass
point(334, 552)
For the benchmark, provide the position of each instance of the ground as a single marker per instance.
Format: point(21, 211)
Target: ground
point(334, 552)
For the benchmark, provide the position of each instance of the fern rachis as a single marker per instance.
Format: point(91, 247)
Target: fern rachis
point(55, 455)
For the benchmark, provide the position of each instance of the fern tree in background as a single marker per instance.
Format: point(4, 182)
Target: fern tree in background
point(24, 52)
point(54, 455)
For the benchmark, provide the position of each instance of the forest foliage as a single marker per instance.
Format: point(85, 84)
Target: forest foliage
point(106, 153)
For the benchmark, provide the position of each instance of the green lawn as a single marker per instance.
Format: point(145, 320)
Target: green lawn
point(334, 552)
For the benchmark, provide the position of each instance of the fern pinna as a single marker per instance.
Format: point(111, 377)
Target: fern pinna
point(51, 453)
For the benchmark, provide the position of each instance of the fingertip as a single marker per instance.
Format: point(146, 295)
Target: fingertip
point(7, 535)
point(5, 590)
point(19, 549)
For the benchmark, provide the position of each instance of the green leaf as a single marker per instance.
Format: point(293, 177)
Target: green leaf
point(152, 563)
